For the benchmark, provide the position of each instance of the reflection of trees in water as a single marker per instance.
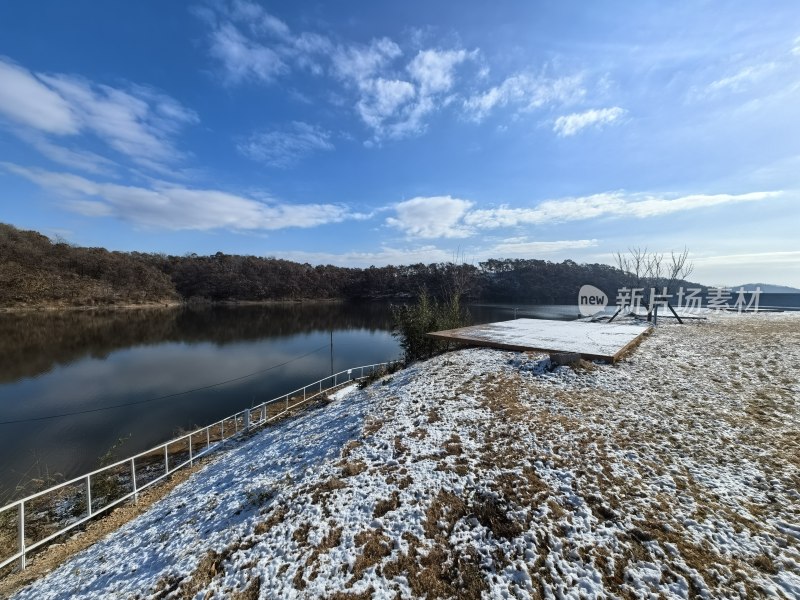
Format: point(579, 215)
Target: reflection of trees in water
point(33, 343)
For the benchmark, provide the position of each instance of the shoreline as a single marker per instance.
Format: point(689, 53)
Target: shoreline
point(48, 308)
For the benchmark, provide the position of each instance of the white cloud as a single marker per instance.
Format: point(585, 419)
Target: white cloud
point(426, 254)
point(790, 257)
point(432, 217)
point(168, 206)
point(82, 160)
point(741, 80)
point(395, 108)
point(26, 100)
point(258, 19)
point(285, 147)
point(567, 125)
point(243, 58)
point(612, 204)
point(387, 255)
point(433, 69)
point(393, 103)
point(525, 92)
point(138, 122)
point(359, 64)
point(382, 100)
point(447, 217)
point(511, 249)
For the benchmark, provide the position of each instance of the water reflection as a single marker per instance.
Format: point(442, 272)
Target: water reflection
point(94, 361)
point(33, 343)
point(55, 363)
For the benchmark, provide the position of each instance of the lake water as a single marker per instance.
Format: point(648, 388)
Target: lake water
point(64, 362)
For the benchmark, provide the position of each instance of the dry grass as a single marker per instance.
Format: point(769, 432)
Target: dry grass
point(384, 506)
point(352, 468)
point(52, 556)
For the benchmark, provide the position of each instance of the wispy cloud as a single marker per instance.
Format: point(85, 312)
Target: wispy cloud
point(611, 204)
point(27, 100)
point(167, 206)
point(242, 58)
point(250, 44)
point(434, 70)
point(393, 98)
point(361, 63)
point(447, 217)
point(138, 122)
point(568, 125)
point(525, 92)
point(511, 249)
point(789, 257)
point(83, 160)
point(429, 253)
point(387, 255)
point(743, 79)
point(285, 147)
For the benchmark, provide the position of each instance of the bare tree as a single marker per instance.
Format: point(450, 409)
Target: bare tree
point(635, 264)
point(679, 268)
point(648, 270)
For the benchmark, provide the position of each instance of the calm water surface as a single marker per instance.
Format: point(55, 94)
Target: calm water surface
point(55, 363)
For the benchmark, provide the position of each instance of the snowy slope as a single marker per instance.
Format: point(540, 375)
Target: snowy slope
point(673, 474)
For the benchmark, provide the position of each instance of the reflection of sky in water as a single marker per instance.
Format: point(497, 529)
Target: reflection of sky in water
point(72, 444)
point(131, 358)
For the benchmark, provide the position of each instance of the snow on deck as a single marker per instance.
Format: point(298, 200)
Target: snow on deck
point(674, 473)
point(603, 341)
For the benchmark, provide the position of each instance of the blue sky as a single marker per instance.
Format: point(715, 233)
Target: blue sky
point(360, 133)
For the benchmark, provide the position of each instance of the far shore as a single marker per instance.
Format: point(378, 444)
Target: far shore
point(163, 304)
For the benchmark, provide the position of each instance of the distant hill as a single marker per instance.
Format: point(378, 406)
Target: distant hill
point(38, 272)
point(768, 288)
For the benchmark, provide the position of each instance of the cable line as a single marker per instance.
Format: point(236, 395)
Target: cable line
point(198, 389)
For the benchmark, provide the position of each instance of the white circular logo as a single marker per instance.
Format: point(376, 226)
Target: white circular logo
point(591, 300)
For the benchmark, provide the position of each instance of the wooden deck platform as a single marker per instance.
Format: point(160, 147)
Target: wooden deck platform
point(593, 341)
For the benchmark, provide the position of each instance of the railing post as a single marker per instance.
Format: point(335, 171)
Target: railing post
point(246, 419)
point(133, 479)
point(191, 458)
point(222, 430)
point(287, 401)
point(208, 436)
point(21, 533)
point(304, 394)
point(166, 460)
point(89, 494)
point(236, 424)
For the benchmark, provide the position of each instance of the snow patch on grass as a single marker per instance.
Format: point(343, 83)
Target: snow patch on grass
point(481, 473)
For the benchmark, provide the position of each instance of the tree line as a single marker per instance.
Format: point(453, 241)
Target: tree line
point(38, 271)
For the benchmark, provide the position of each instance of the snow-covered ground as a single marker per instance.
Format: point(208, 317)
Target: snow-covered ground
point(673, 474)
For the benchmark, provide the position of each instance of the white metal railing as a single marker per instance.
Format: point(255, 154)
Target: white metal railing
point(245, 418)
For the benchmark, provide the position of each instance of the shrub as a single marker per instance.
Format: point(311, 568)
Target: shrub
point(413, 321)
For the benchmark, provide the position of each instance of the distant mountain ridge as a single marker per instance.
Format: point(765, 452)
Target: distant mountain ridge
point(768, 288)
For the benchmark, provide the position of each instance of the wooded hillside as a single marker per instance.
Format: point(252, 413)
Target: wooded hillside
point(35, 271)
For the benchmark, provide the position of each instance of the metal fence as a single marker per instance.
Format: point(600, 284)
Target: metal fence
point(145, 469)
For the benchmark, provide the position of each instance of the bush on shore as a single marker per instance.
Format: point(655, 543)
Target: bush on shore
point(413, 321)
